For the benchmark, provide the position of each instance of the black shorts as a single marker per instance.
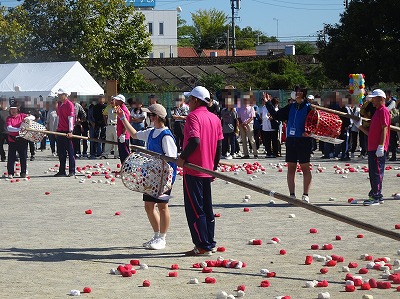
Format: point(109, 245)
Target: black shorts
point(150, 198)
point(298, 149)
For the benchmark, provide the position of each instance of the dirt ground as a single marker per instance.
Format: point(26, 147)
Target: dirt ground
point(49, 246)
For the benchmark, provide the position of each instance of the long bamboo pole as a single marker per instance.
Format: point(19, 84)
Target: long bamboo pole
point(351, 221)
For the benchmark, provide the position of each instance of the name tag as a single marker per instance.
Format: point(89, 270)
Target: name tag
point(292, 131)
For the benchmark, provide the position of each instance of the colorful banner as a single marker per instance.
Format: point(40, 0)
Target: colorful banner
point(357, 86)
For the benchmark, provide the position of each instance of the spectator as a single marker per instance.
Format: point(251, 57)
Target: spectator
point(390, 104)
point(137, 120)
point(3, 132)
point(110, 118)
point(99, 126)
point(354, 110)
point(270, 127)
point(179, 114)
point(51, 125)
point(122, 133)
point(229, 119)
point(85, 129)
point(246, 115)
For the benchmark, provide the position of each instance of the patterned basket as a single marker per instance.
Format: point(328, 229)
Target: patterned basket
point(324, 124)
point(33, 136)
point(146, 174)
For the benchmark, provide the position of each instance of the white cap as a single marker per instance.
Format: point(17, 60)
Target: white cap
point(119, 97)
point(199, 92)
point(310, 97)
point(62, 91)
point(377, 93)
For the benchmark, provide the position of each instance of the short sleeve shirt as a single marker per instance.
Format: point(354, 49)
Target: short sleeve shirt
point(120, 125)
point(380, 119)
point(65, 110)
point(202, 124)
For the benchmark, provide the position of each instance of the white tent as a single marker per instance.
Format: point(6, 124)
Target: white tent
point(33, 80)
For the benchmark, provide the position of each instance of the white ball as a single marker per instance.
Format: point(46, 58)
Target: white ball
point(193, 281)
point(74, 293)
point(324, 295)
point(222, 295)
point(240, 293)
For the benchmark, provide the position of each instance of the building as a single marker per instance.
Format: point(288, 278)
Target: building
point(272, 48)
point(162, 26)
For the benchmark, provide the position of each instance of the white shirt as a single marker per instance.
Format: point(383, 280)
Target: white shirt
point(168, 143)
point(266, 123)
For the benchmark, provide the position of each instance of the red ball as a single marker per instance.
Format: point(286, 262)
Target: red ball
point(265, 284)
point(313, 230)
point(134, 262)
point(331, 263)
point(87, 290)
point(257, 242)
point(174, 267)
point(350, 288)
point(309, 260)
point(207, 270)
point(271, 274)
point(315, 247)
point(217, 215)
point(241, 288)
point(322, 284)
point(88, 212)
point(221, 249)
point(327, 247)
point(173, 274)
point(365, 286)
point(360, 236)
point(363, 271)
point(397, 226)
point(117, 213)
point(210, 280)
point(324, 270)
point(146, 283)
point(338, 238)
point(282, 252)
point(398, 289)
point(353, 265)
point(373, 283)
point(246, 209)
point(47, 193)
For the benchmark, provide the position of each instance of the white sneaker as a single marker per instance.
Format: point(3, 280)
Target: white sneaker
point(305, 198)
point(157, 244)
point(147, 244)
point(228, 157)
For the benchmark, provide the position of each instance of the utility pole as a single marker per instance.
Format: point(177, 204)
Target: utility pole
point(235, 5)
point(346, 3)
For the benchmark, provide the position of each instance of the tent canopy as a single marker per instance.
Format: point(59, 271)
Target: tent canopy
point(44, 79)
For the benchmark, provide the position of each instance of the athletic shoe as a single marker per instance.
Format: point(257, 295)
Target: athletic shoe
point(58, 174)
point(71, 174)
point(10, 176)
point(246, 157)
point(198, 252)
point(228, 157)
point(381, 201)
point(157, 244)
point(371, 202)
point(32, 158)
point(23, 175)
point(54, 154)
point(147, 244)
point(305, 198)
point(214, 250)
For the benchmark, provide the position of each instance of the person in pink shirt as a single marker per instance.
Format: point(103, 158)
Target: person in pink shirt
point(202, 146)
point(66, 122)
point(122, 133)
point(378, 143)
point(16, 143)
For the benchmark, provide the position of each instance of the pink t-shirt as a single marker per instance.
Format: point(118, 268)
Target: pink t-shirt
point(120, 125)
point(380, 118)
point(14, 121)
point(207, 127)
point(64, 110)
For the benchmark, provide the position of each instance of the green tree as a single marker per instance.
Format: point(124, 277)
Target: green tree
point(247, 38)
point(209, 29)
point(304, 48)
point(185, 33)
point(366, 40)
point(13, 35)
point(109, 38)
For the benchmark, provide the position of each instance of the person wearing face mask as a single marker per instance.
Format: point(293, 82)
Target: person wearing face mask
point(298, 143)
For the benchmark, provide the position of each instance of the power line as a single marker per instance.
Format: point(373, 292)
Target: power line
point(298, 8)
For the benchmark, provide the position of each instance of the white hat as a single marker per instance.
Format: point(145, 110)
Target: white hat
point(199, 92)
point(377, 93)
point(119, 97)
point(310, 97)
point(62, 91)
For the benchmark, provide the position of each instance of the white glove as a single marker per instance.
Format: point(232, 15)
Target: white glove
point(358, 123)
point(380, 151)
point(122, 138)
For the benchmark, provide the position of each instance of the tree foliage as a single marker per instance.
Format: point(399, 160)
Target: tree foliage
point(247, 38)
point(304, 48)
point(366, 40)
point(109, 38)
point(209, 29)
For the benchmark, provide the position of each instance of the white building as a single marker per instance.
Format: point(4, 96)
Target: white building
point(288, 48)
point(162, 26)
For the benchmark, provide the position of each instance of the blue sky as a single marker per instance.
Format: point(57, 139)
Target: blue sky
point(294, 19)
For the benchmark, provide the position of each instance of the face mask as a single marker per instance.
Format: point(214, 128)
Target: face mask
point(293, 95)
